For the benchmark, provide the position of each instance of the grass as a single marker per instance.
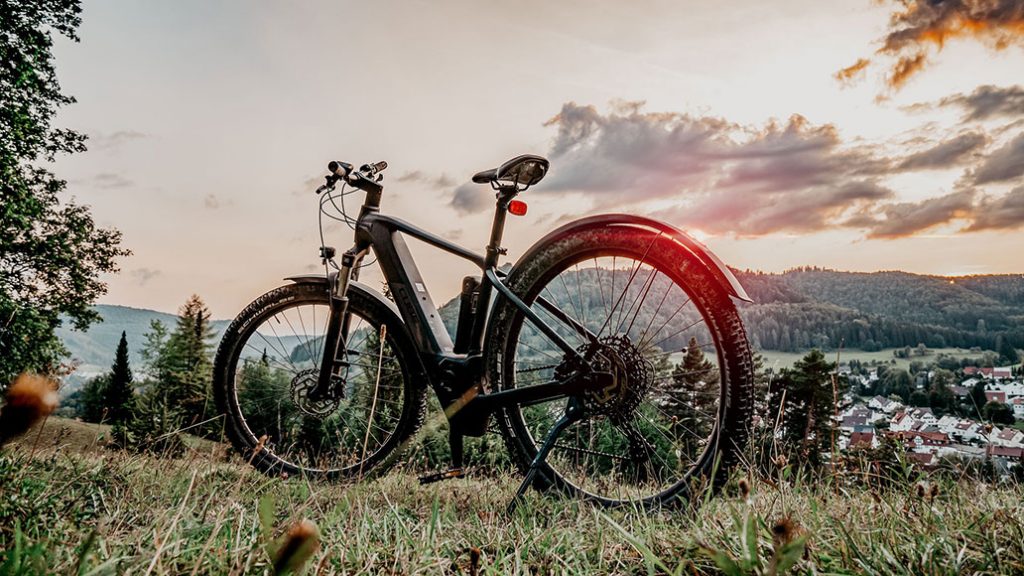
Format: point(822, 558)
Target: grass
point(778, 359)
point(70, 506)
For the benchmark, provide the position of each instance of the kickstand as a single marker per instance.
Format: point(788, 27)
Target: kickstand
point(456, 471)
point(573, 412)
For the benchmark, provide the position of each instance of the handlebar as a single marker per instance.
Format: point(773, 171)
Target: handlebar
point(366, 178)
point(374, 168)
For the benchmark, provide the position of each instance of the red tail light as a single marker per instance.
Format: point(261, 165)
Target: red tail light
point(517, 207)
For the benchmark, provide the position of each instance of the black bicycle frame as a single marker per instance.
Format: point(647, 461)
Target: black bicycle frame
point(462, 372)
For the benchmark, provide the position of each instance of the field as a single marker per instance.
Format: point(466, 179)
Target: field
point(785, 359)
point(71, 506)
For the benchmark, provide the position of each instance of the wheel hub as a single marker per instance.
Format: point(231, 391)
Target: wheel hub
point(619, 374)
point(305, 382)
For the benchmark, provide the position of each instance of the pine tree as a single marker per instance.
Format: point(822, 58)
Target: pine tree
point(1007, 353)
point(185, 363)
point(805, 399)
point(180, 367)
point(690, 396)
point(119, 394)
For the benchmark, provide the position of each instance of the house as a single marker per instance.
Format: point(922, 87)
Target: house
point(1003, 372)
point(1010, 437)
point(967, 430)
point(995, 396)
point(865, 439)
point(924, 415)
point(1005, 452)
point(922, 441)
point(901, 421)
point(884, 404)
point(960, 391)
point(1012, 389)
point(925, 459)
point(851, 422)
point(1018, 407)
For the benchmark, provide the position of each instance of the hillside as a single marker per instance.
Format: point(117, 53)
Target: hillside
point(813, 307)
point(109, 512)
point(94, 348)
point(792, 311)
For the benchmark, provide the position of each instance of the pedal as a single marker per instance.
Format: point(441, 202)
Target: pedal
point(446, 475)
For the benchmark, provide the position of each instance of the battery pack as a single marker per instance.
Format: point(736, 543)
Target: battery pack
point(468, 303)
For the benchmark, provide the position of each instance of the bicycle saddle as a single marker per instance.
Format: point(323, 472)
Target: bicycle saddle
point(525, 170)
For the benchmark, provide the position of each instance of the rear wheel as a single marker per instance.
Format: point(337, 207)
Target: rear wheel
point(681, 396)
point(268, 361)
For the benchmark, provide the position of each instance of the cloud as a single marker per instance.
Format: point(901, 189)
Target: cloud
point(143, 275)
point(1004, 164)
point(781, 177)
point(989, 101)
point(212, 202)
point(439, 181)
point(110, 181)
point(946, 154)
point(908, 218)
point(720, 176)
point(471, 198)
point(1003, 213)
point(113, 140)
point(853, 72)
point(917, 27)
point(806, 210)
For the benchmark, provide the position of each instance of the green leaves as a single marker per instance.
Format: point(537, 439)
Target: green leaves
point(51, 252)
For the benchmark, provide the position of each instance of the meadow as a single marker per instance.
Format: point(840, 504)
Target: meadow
point(70, 505)
point(777, 359)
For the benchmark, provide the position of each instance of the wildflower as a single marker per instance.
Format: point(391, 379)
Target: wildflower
point(784, 530)
point(933, 492)
point(29, 399)
point(920, 487)
point(744, 487)
point(300, 543)
point(474, 561)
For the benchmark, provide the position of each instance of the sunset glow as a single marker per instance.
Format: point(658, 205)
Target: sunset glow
point(210, 125)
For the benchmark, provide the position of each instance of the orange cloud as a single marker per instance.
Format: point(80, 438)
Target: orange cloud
point(918, 26)
point(850, 73)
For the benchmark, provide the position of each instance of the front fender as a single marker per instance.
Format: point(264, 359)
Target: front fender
point(328, 281)
point(725, 278)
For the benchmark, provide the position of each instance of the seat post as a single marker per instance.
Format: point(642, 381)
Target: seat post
point(494, 249)
point(492, 252)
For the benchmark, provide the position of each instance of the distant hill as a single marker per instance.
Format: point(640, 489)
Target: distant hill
point(814, 307)
point(94, 348)
point(792, 311)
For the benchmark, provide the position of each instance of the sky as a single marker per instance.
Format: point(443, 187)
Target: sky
point(854, 135)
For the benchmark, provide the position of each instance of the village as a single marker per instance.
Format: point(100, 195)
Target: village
point(865, 421)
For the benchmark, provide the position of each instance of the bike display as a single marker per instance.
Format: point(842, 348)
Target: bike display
point(611, 355)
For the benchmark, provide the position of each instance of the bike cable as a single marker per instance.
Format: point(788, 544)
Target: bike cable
point(329, 197)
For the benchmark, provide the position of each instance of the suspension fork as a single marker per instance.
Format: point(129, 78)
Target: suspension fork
point(338, 321)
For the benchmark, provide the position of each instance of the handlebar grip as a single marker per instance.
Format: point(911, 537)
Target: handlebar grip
point(374, 168)
point(340, 169)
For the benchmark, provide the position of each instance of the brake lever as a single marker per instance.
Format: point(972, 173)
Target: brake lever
point(327, 186)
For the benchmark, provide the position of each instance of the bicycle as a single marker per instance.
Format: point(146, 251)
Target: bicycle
point(595, 394)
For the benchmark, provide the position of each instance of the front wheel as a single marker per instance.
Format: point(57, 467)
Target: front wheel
point(681, 396)
point(268, 362)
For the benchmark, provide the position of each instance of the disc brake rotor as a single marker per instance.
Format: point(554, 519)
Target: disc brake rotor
point(305, 382)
